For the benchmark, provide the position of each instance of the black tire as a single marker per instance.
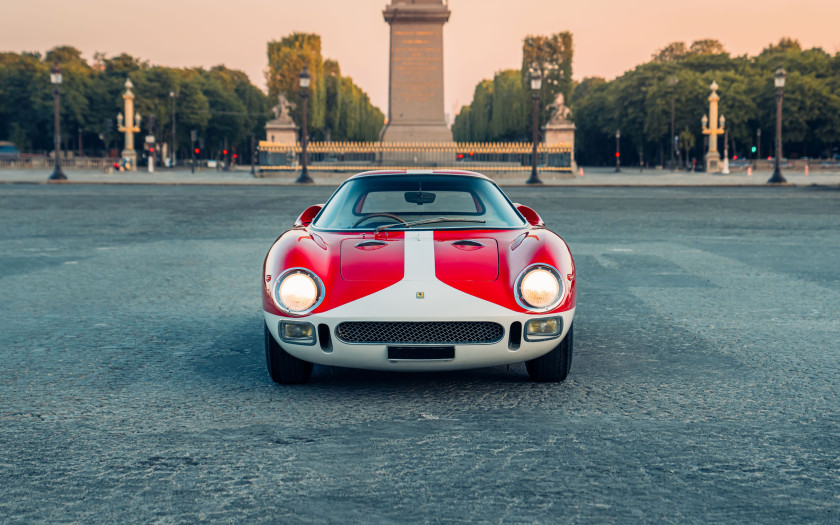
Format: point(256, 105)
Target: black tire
point(283, 367)
point(554, 366)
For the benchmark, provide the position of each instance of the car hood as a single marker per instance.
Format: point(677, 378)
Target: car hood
point(464, 258)
point(482, 263)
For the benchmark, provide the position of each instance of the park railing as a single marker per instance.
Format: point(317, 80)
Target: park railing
point(361, 156)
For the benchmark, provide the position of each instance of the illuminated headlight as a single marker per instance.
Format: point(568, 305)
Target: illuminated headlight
point(539, 288)
point(298, 291)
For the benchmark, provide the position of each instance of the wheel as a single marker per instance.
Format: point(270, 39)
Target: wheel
point(554, 366)
point(283, 367)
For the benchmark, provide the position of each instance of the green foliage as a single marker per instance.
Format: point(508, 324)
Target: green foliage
point(220, 104)
point(551, 58)
point(639, 103)
point(337, 109)
point(687, 141)
point(501, 109)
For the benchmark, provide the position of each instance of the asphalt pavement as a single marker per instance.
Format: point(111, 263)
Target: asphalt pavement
point(705, 386)
point(588, 177)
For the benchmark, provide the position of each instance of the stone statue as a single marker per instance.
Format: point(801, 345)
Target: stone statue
point(559, 111)
point(281, 130)
point(281, 110)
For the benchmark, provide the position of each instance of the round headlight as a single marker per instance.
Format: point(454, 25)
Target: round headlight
point(540, 288)
point(297, 291)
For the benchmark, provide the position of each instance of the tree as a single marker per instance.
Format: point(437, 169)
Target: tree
point(673, 52)
point(501, 109)
point(286, 60)
point(551, 58)
point(220, 103)
point(687, 142)
point(511, 108)
point(707, 46)
point(337, 109)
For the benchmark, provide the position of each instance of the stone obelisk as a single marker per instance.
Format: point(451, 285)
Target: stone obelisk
point(415, 91)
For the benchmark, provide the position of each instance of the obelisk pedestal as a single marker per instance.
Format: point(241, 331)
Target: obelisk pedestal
point(415, 94)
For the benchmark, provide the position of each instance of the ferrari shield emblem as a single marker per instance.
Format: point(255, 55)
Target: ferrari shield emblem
point(421, 295)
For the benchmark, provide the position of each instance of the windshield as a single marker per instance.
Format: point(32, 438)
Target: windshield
point(372, 202)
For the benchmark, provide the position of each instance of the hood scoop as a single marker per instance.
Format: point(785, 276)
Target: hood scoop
point(468, 245)
point(372, 259)
point(370, 245)
point(467, 260)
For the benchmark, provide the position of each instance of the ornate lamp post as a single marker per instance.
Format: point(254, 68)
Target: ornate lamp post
point(132, 126)
point(779, 80)
point(56, 78)
point(713, 127)
point(617, 151)
point(536, 84)
point(304, 138)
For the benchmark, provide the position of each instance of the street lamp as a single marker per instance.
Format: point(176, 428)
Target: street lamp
point(56, 78)
point(174, 154)
point(536, 84)
point(304, 138)
point(617, 151)
point(779, 80)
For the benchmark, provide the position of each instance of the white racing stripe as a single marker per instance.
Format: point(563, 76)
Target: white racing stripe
point(419, 256)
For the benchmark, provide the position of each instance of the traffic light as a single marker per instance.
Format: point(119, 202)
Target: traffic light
point(617, 154)
point(753, 149)
point(224, 152)
point(152, 151)
point(196, 151)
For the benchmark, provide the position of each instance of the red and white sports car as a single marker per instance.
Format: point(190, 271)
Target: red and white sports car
point(418, 271)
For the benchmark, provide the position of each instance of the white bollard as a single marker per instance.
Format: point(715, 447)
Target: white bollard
point(749, 171)
point(151, 164)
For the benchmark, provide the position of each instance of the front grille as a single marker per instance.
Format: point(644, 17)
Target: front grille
point(428, 332)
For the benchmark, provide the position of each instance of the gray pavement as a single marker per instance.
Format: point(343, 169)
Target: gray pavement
point(590, 177)
point(705, 386)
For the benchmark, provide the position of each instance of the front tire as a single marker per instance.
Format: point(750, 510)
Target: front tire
point(283, 367)
point(554, 366)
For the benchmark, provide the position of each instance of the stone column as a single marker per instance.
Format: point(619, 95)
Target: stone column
point(415, 94)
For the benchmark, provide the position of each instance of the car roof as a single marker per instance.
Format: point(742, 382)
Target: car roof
point(457, 173)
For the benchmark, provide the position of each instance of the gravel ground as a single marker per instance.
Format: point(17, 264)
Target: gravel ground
point(705, 385)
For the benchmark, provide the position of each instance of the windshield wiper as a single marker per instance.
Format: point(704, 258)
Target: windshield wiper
point(426, 221)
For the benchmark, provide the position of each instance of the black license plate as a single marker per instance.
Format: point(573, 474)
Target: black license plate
point(421, 353)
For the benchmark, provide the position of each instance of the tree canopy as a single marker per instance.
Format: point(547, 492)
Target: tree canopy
point(220, 104)
point(639, 103)
point(501, 109)
point(337, 109)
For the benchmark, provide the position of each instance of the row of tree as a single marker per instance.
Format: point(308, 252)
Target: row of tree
point(639, 103)
point(220, 104)
point(337, 109)
point(501, 109)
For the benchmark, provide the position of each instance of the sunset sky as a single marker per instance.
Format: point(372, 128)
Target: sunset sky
point(482, 36)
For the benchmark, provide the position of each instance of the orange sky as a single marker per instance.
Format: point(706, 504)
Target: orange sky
point(482, 36)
